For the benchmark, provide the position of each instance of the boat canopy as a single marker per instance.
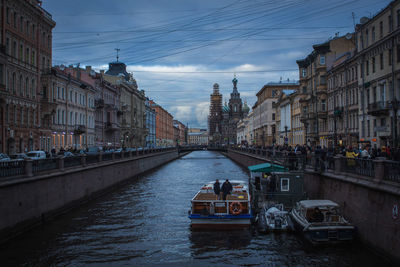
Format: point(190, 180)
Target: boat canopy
point(318, 203)
point(267, 167)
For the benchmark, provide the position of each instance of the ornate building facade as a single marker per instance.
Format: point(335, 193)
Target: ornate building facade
point(26, 42)
point(223, 120)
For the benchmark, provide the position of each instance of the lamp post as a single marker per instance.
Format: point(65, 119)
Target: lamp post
point(286, 139)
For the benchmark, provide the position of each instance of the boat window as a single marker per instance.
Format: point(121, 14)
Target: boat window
point(284, 184)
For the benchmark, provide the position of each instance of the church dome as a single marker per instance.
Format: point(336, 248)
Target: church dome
point(225, 108)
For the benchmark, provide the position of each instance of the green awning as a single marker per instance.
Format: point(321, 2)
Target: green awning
point(267, 167)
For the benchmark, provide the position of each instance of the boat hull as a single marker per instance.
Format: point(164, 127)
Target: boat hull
point(220, 222)
point(324, 234)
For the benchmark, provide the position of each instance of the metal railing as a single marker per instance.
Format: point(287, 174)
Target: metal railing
point(358, 166)
point(392, 171)
point(12, 168)
point(19, 168)
point(44, 165)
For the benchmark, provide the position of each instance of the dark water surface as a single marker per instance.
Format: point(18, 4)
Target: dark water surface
point(145, 223)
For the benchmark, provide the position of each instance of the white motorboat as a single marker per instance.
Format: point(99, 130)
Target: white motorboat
point(320, 221)
point(274, 218)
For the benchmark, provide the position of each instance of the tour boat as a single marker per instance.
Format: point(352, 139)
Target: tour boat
point(320, 221)
point(274, 218)
point(209, 212)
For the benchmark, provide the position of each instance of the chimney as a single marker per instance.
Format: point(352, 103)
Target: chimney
point(88, 69)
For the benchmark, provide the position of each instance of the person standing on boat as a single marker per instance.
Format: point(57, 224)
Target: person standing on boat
point(217, 189)
point(226, 188)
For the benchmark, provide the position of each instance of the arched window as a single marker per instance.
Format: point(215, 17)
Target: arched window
point(234, 108)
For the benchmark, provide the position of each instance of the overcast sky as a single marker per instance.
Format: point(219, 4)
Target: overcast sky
point(177, 49)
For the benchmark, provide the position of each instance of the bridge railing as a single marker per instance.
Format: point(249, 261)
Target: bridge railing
point(378, 169)
point(35, 167)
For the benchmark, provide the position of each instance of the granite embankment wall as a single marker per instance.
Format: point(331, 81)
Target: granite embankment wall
point(25, 202)
point(369, 203)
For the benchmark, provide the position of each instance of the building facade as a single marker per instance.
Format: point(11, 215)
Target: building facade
point(150, 124)
point(313, 82)
point(264, 111)
point(378, 57)
point(198, 137)
point(26, 54)
point(73, 116)
point(179, 133)
point(132, 121)
point(164, 126)
point(343, 121)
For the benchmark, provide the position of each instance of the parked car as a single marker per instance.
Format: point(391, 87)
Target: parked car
point(68, 154)
point(18, 157)
point(93, 150)
point(36, 155)
point(4, 157)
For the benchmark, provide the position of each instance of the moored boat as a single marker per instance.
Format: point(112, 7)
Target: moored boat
point(274, 218)
point(208, 211)
point(320, 222)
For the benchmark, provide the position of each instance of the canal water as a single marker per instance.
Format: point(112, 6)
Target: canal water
point(145, 222)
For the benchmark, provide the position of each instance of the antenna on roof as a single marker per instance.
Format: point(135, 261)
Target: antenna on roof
point(117, 49)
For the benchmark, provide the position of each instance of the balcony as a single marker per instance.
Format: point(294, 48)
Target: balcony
point(79, 129)
point(111, 126)
point(99, 103)
point(307, 116)
point(379, 108)
point(322, 114)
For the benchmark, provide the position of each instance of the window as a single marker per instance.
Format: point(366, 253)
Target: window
point(368, 128)
point(27, 87)
point(1, 74)
point(373, 65)
point(33, 31)
point(33, 88)
point(21, 91)
point(322, 60)
point(63, 117)
point(15, 20)
point(273, 116)
point(21, 24)
point(15, 114)
point(367, 67)
point(398, 18)
point(27, 55)
point(381, 29)
point(398, 53)
point(70, 96)
point(15, 49)
point(366, 38)
point(7, 114)
point(390, 23)
point(284, 184)
point(8, 46)
point(22, 116)
point(27, 28)
point(8, 14)
point(323, 105)
point(373, 34)
point(62, 93)
point(33, 61)
point(13, 82)
point(43, 61)
point(390, 57)
point(21, 52)
point(304, 72)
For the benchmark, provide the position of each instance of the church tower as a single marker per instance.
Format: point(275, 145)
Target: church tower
point(235, 103)
point(215, 116)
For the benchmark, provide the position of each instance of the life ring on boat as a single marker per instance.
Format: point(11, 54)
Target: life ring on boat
point(235, 208)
